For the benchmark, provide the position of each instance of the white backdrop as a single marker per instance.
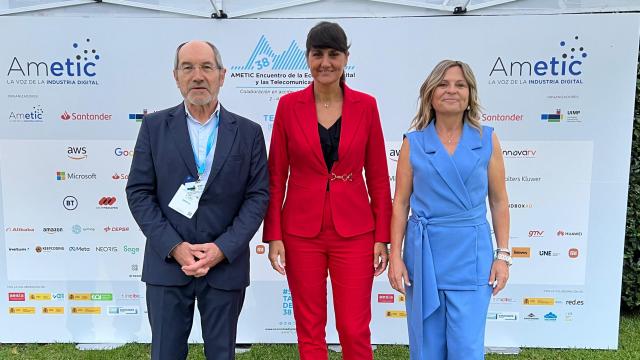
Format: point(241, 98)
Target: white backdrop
point(558, 89)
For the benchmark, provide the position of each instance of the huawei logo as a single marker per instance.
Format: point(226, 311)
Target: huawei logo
point(65, 116)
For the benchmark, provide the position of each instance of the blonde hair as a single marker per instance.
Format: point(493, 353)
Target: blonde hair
point(426, 113)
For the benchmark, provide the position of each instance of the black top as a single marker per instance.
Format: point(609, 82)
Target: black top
point(329, 140)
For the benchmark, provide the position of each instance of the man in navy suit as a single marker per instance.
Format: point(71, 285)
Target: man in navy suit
point(198, 189)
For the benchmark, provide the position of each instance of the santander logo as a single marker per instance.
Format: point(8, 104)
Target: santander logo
point(65, 116)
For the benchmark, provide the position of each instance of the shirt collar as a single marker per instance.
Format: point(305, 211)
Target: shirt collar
point(214, 115)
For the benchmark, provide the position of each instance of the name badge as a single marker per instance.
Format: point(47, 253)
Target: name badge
point(186, 199)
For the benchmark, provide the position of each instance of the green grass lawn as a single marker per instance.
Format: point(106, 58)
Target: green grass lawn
point(629, 349)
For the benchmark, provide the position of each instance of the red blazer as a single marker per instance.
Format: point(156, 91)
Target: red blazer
point(296, 164)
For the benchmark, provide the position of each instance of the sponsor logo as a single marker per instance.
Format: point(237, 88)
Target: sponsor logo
point(523, 178)
point(122, 152)
point(531, 316)
point(502, 316)
point(77, 229)
point(574, 302)
point(113, 249)
point(116, 228)
point(101, 297)
point(130, 250)
point(19, 229)
point(393, 154)
point(52, 230)
point(123, 310)
point(502, 117)
point(502, 300)
point(22, 310)
point(82, 310)
point(77, 152)
point(573, 253)
point(16, 296)
point(519, 153)
point(107, 202)
point(564, 67)
point(79, 68)
point(80, 296)
point(48, 249)
point(555, 117)
point(401, 298)
point(385, 298)
point(395, 314)
point(62, 175)
point(520, 206)
point(536, 233)
point(85, 116)
point(520, 252)
point(53, 310)
point(550, 316)
point(57, 296)
point(79, 249)
point(121, 176)
point(130, 296)
point(260, 249)
point(18, 249)
point(40, 296)
point(70, 203)
point(539, 301)
point(35, 115)
point(137, 117)
point(547, 253)
point(568, 233)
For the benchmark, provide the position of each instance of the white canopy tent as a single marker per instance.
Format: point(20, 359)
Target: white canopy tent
point(310, 8)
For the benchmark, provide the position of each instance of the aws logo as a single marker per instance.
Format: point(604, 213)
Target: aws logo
point(77, 152)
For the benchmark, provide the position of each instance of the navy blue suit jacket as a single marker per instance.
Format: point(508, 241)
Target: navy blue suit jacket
point(231, 208)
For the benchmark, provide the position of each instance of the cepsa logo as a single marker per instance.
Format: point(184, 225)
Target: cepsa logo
point(116, 228)
point(77, 152)
point(120, 152)
point(77, 69)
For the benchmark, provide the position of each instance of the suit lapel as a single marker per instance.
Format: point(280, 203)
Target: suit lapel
point(351, 119)
point(445, 165)
point(227, 130)
point(177, 122)
point(308, 122)
point(466, 156)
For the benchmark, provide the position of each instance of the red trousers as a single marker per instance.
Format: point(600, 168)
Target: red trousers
point(349, 261)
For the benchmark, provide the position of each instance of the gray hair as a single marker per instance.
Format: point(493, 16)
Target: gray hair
point(216, 54)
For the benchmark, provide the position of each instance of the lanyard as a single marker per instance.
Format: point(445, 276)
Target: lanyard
point(202, 163)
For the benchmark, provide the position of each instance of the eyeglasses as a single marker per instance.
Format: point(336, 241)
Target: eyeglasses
point(205, 68)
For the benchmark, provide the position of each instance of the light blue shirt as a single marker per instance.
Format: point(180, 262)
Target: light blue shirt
point(199, 135)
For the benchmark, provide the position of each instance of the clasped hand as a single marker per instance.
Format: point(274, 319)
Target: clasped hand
point(197, 259)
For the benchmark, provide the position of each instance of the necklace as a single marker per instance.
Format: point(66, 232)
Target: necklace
point(326, 105)
point(450, 138)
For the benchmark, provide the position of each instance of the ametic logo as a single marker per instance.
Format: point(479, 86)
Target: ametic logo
point(79, 68)
point(563, 66)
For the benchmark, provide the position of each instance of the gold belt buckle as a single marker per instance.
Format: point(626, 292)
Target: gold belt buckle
point(345, 177)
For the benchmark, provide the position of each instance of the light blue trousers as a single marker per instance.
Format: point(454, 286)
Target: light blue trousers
point(455, 331)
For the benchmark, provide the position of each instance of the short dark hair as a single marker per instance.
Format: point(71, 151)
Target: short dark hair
point(327, 35)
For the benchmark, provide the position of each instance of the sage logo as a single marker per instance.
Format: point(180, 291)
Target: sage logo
point(80, 64)
point(35, 115)
point(131, 250)
point(563, 66)
point(77, 152)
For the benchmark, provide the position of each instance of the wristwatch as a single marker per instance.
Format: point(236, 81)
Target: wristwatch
point(506, 258)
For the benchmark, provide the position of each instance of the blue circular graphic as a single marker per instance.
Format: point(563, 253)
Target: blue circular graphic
point(97, 57)
point(562, 43)
point(75, 45)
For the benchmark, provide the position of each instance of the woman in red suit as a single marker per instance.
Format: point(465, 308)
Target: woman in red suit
point(334, 219)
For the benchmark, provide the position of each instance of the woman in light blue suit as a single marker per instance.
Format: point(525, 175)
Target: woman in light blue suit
point(446, 169)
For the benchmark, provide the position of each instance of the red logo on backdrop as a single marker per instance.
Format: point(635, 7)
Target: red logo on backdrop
point(107, 201)
point(65, 116)
point(260, 249)
point(16, 296)
point(573, 253)
point(385, 298)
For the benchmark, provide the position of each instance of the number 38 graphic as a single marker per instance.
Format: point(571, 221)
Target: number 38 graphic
point(262, 64)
